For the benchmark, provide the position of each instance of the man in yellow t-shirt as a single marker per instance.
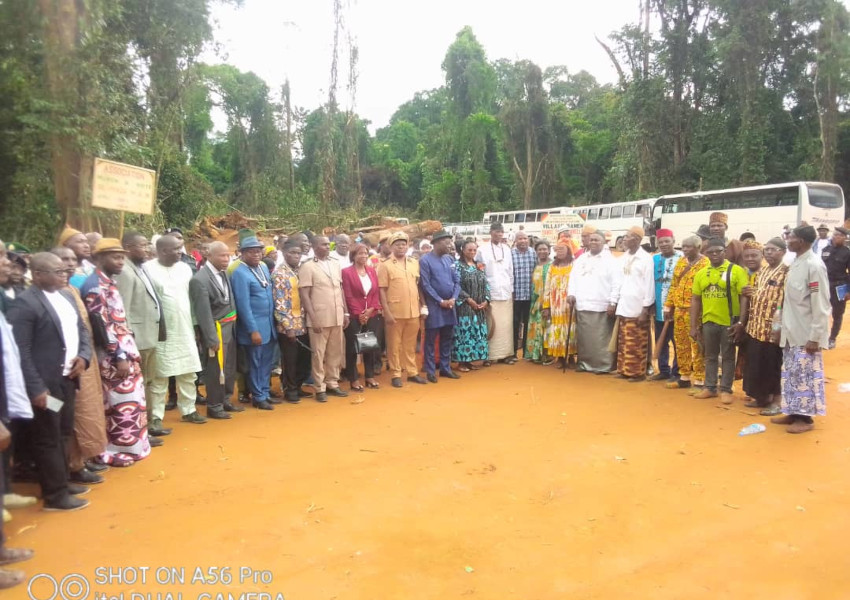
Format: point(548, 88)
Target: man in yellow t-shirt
point(711, 318)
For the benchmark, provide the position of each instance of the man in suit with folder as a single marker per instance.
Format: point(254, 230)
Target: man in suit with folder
point(215, 315)
point(55, 349)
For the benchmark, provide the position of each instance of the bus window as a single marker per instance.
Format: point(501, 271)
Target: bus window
point(519, 218)
point(530, 217)
point(824, 197)
point(616, 212)
point(629, 211)
point(509, 218)
point(670, 207)
point(593, 214)
point(501, 218)
point(604, 212)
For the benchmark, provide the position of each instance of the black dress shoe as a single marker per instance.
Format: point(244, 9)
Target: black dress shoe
point(293, 398)
point(96, 467)
point(200, 399)
point(417, 379)
point(76, 489)
point(66, 504)
point(449, 375)
point(274, 400)
point(304, 394)
point(396, 382)
point(262, 405)
point(171, 404)
point(431, 377)
point(155, 428)
point(228, 407)
point(321, 397)
point(337, 392)
point(155, 442)
point(84, 476)
point(219, 413)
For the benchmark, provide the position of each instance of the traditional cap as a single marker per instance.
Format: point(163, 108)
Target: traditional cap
point(396, 236)
point(718, 217)
point(440, 235)
point(268, 250)
point(173, 230)
point(806, 233)
point(17, 248)
point(752, 245)
point(496, 226)
point(778, 242)
point(588, 229)
point(843, 230)
point(67, 234)
point(250, 241)
point(638, 231)
point(823, 226)
point(108, 245)
point(664, 233)
point(703, 231)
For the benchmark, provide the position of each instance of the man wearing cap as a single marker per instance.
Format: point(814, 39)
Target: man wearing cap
point(524, 260)
point(255, 333)
point(144, 316)
point(398, 280)
point(215, 315)
point(496, 257)
point(440, 287)
point(804, 335)
point(718, 223)
point(822, 240)
point(119, 359)
point(664, 263)
point(836, 257)
point(76, 241)
point(320, 284)
point(177, 355)
point(635, 298)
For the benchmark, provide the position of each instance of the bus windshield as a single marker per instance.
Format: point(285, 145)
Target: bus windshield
point(824, 197)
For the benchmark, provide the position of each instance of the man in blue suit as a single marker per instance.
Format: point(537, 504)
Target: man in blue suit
point(255, 332)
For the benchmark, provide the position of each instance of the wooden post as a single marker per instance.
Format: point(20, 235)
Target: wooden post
point(121, 226)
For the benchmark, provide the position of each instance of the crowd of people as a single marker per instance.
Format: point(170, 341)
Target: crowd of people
point(102, 336)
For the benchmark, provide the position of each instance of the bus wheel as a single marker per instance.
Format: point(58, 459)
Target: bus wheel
point(619, 247)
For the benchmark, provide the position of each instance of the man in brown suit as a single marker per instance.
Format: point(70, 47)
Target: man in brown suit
point(398, 279)
point(320, 283)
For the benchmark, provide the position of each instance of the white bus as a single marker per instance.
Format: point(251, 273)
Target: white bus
point(762, 210)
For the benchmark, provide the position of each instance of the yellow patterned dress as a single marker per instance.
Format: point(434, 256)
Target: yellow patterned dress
point(555, 299)
point(688, 352)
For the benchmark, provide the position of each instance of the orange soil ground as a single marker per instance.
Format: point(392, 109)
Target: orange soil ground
point(514, 482)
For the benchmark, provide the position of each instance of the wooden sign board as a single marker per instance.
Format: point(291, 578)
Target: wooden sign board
point(555, 225)
point(117, 186)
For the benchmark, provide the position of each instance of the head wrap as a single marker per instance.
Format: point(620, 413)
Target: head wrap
point(752, 245)
point(663, 233)
point(398, 235)
point(806, 233)
point(268, 250)
point(718, 217)
point(67, 234)
point(638, 231)
point(778, 242)
point(108, 245)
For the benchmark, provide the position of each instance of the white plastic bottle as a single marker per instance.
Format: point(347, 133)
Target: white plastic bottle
point(752, 429)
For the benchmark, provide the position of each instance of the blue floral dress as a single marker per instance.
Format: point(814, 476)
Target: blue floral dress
point(471, 329)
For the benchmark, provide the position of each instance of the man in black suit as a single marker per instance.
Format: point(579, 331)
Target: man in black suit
point(212, 302)
point(55, 349)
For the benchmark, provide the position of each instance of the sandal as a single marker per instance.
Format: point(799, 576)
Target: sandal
point(463, 368)
point(487, 363)
point(10, 578)
point(14, 555)
point(372, 385)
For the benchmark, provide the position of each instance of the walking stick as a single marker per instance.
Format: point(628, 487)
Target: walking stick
point(659, 345)
point(567, 344)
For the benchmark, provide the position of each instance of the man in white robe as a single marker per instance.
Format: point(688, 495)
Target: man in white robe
point(498, 266)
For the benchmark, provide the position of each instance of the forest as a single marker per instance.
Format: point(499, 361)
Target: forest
point(710, 94)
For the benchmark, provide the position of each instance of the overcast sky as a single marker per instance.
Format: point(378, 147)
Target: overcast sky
point(402, 43)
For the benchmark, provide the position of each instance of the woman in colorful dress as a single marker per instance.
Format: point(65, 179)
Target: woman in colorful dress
point(556, 309)
point(471, 329)
point(535, 343)
point(677, 309)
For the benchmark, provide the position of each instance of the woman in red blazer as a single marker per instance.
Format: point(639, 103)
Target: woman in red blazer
point(360, 286)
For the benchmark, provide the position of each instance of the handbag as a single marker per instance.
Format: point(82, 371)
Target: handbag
point(365, 341)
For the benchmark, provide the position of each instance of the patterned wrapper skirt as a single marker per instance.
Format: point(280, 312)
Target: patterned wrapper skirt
point(802, 382)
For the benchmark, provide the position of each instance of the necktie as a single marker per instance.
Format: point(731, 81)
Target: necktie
point(223, 285)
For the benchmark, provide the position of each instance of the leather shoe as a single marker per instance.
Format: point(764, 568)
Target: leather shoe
point(155, 442)
point(200, 399)
point(304, 394)
point(77, 490)
point(293, 398)
point(193, 417)
point(155, 428)
point(171, 404)
point(396, 382)
point(337, 392)
point(66, 504)
point(321, 397)
point(416, 379)
point(213, 413)
point(262, 405)
point(229, 407)
point(85, 476)
point(431, 377)
point(274, 400)
point(449, 375)
point(96, 467)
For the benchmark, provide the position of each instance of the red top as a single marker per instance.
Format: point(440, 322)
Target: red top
point(352, 287)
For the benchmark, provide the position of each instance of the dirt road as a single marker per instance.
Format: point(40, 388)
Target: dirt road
point(514, 482)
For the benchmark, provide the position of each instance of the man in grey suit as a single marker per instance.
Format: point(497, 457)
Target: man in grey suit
point(144, 315)
point(213, 303)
